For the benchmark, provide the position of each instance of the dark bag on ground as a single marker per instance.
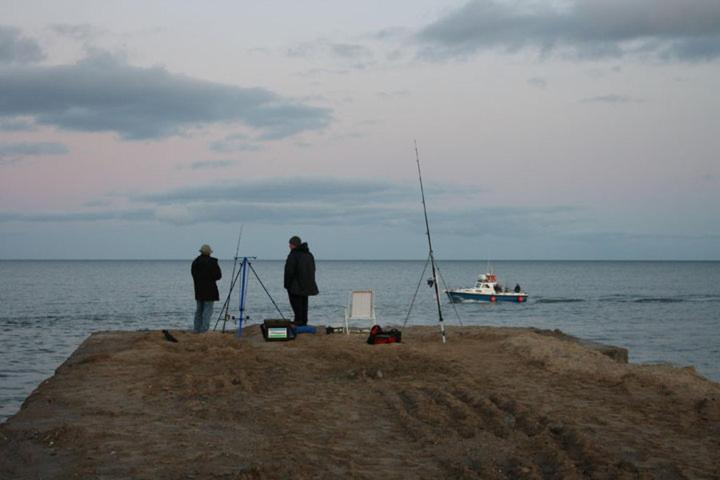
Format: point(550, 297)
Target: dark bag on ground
point(378, 335)
point(277, 330)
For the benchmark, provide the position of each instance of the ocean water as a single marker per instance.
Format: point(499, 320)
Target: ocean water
point(661, 311)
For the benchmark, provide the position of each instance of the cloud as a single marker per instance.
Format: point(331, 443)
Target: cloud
point(612, 98)
point(283, 191)
point(89, 216)
point(379, 204)
point(13, 152)
point(237, 142)
point(537, 82)
point(640, 238)
point(310, 199)
point(348, 50)
point(14, 48)
point(503, 221)
point(211, 164)
point(394, 94)
point(80, 32)
point(102, 93)
point(586, 29)
point(303, 200)
point(342, 58)
point(340, 201)
point(176, 214)
point(323, 47)
point(276, 214)
point(392, 33)
point(520, 223)
point(98, 202)
point(705, 48)
point(16, 125)
point(223, 212)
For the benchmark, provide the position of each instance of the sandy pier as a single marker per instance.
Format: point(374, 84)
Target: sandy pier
point(491, 403)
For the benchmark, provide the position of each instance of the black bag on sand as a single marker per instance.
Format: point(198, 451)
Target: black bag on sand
point(277, 330)
point(378, 336)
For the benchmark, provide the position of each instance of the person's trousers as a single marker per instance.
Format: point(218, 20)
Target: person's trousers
point(203, 312)
point(299, 304)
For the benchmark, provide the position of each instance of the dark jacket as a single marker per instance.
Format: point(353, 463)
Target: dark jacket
point(300, 272)
point(205, 272)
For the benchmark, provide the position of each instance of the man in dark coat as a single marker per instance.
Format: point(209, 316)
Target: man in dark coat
point(300, 278)
point(205, 272)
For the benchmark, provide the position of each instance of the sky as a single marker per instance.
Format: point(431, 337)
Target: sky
point(558, 130)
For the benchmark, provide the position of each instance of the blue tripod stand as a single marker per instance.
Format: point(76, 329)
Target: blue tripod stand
point(245, 267)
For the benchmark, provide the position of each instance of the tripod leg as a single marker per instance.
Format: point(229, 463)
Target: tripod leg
point(266, 291)
point(243, 292)
point(226, 305)
point(412, 303)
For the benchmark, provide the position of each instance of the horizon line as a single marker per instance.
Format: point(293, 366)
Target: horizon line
point(362, 260)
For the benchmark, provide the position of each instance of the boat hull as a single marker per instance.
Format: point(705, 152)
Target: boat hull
point(459, 296)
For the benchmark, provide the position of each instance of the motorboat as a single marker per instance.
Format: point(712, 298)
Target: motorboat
point(487, 289)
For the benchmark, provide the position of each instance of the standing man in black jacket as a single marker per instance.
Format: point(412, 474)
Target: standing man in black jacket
point(205, 272)
point(300, 278)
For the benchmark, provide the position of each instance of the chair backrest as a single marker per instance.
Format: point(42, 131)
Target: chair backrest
point(362, 305)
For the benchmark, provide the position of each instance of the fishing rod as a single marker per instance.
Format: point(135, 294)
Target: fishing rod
point(432, 256)
point(226, 306)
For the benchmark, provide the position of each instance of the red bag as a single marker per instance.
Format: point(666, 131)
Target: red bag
point(378, 336)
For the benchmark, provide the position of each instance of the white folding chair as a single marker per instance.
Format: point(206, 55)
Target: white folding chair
point(360, 307)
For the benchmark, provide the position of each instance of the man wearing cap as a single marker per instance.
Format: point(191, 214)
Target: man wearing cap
point(205, 272)
point(300, 278)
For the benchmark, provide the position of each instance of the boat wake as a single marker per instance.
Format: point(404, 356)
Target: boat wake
point(559, 300)
point(655, 299)
point(659, 300)
point(633, 299)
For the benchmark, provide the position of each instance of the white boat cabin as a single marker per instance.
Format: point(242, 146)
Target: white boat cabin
point(487, 283)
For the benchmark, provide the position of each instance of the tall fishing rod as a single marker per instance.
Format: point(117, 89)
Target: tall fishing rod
point(432, 256)
point(226, 306)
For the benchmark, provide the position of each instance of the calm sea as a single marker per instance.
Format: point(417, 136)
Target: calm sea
point(660, 311)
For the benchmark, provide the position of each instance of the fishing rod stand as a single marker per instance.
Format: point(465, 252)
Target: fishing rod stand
point(246, 268)
point(243, 273)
